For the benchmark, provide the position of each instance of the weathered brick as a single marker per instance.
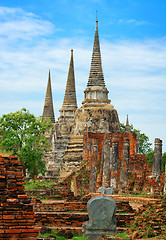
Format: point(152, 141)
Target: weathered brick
point(8, 217)
point(13, 231)
point(17, 212)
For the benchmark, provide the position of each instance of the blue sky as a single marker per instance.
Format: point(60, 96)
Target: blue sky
point(36, 36)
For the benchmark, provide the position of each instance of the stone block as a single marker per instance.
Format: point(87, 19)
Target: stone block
point(109, 191)
point(102, 221)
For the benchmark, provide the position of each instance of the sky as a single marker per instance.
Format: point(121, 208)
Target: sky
point(37, 35)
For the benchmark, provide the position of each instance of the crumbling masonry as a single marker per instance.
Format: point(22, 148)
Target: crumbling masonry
point(16, 210)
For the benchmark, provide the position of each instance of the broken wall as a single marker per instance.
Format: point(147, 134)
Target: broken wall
point(16, 210)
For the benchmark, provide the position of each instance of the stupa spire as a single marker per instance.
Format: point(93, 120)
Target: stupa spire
point(70, 102)
point(96, 77)
point(48, 111)
point(70, 93)
point(127, 127)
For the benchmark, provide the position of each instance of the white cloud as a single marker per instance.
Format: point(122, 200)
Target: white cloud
point(15, 24)
point(135, 65)
point(132, 21)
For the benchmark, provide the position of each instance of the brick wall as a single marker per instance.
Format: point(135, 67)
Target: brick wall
point(138, 170)
point(16, 211)
point(131, 174)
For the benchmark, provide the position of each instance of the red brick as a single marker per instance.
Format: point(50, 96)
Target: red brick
point(14, 219)
point(22, 196)
point(8, 217)
point(30, 230)
point(13, 231)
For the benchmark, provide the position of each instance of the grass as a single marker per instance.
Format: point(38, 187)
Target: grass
point(3, 153)
point(30, 185)
point(55, 234)
point(123, 235)
point(78, 237)
point(52, 233)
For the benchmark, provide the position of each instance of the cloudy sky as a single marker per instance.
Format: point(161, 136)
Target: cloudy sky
point(36, 36)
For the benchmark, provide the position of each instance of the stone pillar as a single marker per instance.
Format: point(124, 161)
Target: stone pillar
point(106, 163)
point(157, 159)
point(93, 171)
point(125, 164)
point(114, 159)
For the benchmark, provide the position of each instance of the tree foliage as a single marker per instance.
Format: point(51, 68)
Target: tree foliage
point(149, 159)
point(23, 135)
point(144, 144)
point(163, 162)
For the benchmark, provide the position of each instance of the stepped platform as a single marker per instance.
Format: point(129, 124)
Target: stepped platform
point(75, 219)
point(69, 216)
point(73, 156)
point(74, 148)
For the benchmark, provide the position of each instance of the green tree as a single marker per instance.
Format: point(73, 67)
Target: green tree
point(144, 144)
point(163, 162)
point(149, 159)
point(23, 135)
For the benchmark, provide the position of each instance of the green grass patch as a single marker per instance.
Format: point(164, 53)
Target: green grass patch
point(52, 233)
point(78, 237)
point(4, 153)
point(123, 235)
point(55, 234)
point(37, 185)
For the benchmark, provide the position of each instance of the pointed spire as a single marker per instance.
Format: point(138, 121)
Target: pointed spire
point(96, 77)
point(127, 121)
point(127, 127)
point(48, 111)
point(70, 93)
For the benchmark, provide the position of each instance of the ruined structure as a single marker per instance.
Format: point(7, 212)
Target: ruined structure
point(95, 115)
point(16, 210)
point(90, 137)
point(113, 157)
point(60, 136)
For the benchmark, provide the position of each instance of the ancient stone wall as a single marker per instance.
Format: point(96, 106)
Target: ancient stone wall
point(16, 211)
point(113, 160)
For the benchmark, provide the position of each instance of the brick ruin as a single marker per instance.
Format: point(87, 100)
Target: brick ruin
point(116, 163)
point(16, 210)
point(96, 114)
point(112, 160)
point(63, 212)
point(89, 140)
point(115, 158)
